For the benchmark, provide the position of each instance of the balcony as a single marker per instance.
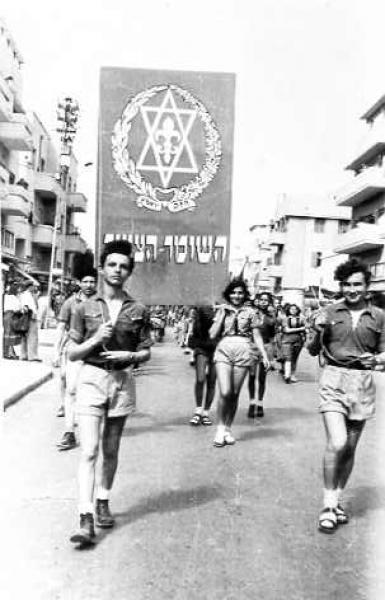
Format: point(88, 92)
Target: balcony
point(74, 243)
point(6, 101)
point(17, 201)
point(77, 202)
point(360, 239)
point(47, 185)
point(16, 134)
point(7, 242)
point(277, 238)
point(373, 144)
point(275, 271)
point(363, 186)
point(42, 235)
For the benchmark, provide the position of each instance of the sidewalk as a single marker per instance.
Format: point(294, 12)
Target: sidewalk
point(19, 378)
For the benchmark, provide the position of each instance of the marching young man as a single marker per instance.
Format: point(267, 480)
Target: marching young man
point(351, 337)
point(69, 369)
point(110, 333)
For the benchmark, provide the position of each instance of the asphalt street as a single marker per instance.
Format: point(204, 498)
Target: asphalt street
point(194, 522)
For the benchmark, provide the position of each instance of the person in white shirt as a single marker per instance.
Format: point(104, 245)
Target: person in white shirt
point(30, 341)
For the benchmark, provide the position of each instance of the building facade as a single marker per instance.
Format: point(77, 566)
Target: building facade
point(303, 235)
point(37, 187)
point(365, 195)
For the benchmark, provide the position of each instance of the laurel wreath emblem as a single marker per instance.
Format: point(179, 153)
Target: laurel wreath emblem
point(149, 196)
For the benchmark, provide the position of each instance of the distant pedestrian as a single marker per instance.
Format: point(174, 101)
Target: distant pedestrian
point(205, 375)
point(293, 339)
point(235, 325)
point(69, 370)
point(267, 316)
point(30, 341)
point(350, 336)
point(111, 334)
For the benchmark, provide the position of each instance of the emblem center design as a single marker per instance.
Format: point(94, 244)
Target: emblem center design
point(167, 137)
point(167, 149)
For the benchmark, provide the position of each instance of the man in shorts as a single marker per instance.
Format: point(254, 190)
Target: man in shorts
point(111, 334)
point(70, 369)
point(350, 335)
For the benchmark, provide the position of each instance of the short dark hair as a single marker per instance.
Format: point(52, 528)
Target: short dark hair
point(89, 272)
point(234, 283)
point(348, 268)
point(268, 294)
point(118, 247)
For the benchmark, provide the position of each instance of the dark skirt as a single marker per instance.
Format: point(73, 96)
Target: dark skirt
point(10, 337)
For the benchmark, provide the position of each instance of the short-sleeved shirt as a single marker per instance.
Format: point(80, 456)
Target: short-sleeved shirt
point(130, 332)
point(238, 321)
point(292, 337)
point(202, 319)
point(67, 309)
point(346, 343)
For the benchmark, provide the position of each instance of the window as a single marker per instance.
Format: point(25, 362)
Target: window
point(316, 259)
point(343, 226)
point(319, 225)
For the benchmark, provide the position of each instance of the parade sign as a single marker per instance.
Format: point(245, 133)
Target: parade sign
point(164, 179)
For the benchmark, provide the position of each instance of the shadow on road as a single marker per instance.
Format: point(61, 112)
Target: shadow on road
point(262, 432)
point(169, 501)
point(366, 498)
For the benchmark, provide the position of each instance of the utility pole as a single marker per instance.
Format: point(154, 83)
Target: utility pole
point(67, 113)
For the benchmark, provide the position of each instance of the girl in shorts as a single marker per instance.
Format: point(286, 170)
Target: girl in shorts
point(236, 325)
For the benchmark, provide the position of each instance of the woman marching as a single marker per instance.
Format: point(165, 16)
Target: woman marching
point(293, 337)
point(236, 325)
point(266, 312)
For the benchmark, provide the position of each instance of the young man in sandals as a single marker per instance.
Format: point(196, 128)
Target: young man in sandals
point(110, 333)
point(350, 335)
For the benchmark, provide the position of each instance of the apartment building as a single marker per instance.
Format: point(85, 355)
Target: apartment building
point(37, 187)
point(302, 235)
point(365, 195)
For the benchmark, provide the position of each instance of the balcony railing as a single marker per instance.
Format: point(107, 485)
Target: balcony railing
point(74, 243)
point(6, 101)
point(17, 201)
point(16, 134)
point(42, 235)
point(360, 239)
point(47, 185)
point(369, 182)
point(77, 202)
point(277, 238)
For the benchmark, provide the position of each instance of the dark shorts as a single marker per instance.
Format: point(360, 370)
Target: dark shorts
point(347, 391)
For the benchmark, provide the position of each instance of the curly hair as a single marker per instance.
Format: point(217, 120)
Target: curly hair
point(235, 283)
point(289, 306)
point(118, 247)
point(348, 268)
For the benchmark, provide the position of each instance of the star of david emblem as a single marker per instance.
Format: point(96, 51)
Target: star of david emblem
point(168, 132)
point(167, 128)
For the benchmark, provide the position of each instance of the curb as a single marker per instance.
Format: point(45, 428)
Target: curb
point(27, 389)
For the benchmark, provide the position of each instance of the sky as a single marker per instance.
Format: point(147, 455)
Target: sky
point(306, 71)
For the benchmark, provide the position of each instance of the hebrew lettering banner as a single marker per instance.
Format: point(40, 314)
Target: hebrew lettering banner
point(164, 179)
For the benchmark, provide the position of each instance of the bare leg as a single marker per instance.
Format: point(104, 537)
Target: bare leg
point(238, 377)
point(200, 378)
point(354, 431)
point(261, 381)
point(336, 440)
point(112, 434)
point(224, 377)
point(89, 433)
point(211, 378)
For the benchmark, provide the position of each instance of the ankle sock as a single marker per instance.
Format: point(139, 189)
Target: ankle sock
point(330, 498)
point(102, 493)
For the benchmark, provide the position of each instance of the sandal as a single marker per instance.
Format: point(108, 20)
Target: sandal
point(196, 420)
point(327, 522)
point(229, 439)
point(219, 441)
point(205, 420)
point(342, 517)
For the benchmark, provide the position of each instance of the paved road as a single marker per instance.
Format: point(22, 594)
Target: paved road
point(193, 522)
